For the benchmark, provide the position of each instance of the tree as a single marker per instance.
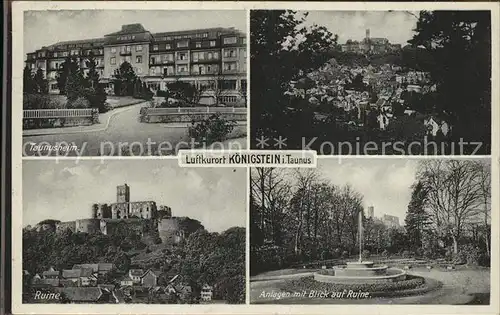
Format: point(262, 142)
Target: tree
point(92, 74)
point(124, 79)
point(42, 85)
point(270, 194)
point(70, 65)
point(417, 219)
point(453, 195)
point(460, 45)
point(282, 50)
point(485, 193)
point(95, 93)
point(183, 91)
point(29, 84)
point(75, 84)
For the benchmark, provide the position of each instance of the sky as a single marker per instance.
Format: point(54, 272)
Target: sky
point(66, 190)
point(395, 26)
point(43, 28)
point(384, 183)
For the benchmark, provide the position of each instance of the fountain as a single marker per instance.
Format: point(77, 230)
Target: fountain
point(360, 271)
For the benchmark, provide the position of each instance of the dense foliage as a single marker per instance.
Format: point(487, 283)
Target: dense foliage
point(212, 129)
point(298, 217)
point(453, 47)
point(217, 259)
point(308, 283)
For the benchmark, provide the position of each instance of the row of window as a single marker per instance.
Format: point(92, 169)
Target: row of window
point(126, 49)
point(72, 52)
point(138, 59)
point(228, 99)
point(138, 48)
point(206, 85)
point(52, 75)
point(196, 56)
point(212, 43)
point(195, 69)
point(198, 35)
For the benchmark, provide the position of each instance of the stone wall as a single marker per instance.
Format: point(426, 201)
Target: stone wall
point(139, 209)
point(143, 209)
point(101, 211)
point(88, 226)
point(187, 117)
point(109, 226)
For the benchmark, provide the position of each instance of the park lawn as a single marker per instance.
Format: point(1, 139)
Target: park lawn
point(121, 101)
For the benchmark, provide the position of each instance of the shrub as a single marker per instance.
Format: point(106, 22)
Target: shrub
point(214, 128)
point(365, 254)
point(80, 102)
point(429, 253)
point(267, 258)
point(308, 283)
point(469, 254)
point(337, 252)
point(407, 254)
point(448, 255)
point(345, 254)
point(97, 99)
point(39, 101)
point(162, 93)
point(385, 253)
point(146, 94)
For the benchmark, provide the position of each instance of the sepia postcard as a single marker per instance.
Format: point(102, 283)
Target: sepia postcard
point(136, 231)
point(133, 82)
point(255, 157)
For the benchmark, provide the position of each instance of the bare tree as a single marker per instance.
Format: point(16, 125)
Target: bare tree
point(485, 192)
point(270, 191)
point(454, 194)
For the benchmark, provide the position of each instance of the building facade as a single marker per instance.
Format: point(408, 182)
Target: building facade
point(212, 59)
point(390, 220)
point(369, 44)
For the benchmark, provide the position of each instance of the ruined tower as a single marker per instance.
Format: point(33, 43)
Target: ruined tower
point(123, 193)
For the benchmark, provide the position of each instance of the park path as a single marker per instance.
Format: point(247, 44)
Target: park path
point(123, 130)
point(459, 286)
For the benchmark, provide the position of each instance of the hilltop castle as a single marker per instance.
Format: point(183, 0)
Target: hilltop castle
point(142, 216)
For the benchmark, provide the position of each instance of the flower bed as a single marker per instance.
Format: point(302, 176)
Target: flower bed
point(413, 285)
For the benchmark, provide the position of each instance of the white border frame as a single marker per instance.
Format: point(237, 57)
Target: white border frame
point(18, 63)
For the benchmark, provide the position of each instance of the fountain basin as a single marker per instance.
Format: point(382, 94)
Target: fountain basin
point(359, 264)
point(353, 270)
point(333, 276)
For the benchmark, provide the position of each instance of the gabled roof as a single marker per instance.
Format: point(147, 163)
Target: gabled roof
point(223, 30)
point(157, 273)
point(126, 278)
point(51, 273)
point(71, 273)
point(76, 273)
point(95, 267)
point(98, 41)
point(136, 272)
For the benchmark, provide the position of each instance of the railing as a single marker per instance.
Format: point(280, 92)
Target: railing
point(56, 113)
point(195, 110)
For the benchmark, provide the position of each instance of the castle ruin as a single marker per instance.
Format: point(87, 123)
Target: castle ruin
point(142, 216)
